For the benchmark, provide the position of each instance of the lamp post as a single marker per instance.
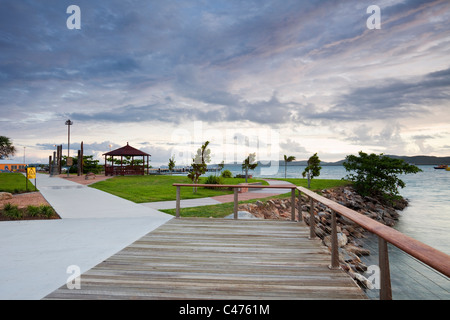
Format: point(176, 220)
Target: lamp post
point(68, 123)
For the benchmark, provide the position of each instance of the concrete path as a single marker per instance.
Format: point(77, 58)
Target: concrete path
point(36, 255)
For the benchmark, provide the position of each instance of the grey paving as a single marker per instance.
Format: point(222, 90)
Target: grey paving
point(35, 255)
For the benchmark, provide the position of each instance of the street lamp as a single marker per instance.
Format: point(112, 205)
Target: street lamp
point(68, 124)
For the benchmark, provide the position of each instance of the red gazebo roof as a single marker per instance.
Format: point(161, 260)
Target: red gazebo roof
point(126, 151)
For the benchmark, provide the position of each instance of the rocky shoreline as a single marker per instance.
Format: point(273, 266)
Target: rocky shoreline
point(350, 235)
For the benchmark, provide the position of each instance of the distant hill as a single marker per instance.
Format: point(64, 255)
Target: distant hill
point(423, 160)
point(417, 160)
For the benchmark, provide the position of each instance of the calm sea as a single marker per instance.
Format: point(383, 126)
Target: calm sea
point(427, 218)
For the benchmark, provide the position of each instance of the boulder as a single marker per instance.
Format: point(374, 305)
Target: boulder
point(5, 196)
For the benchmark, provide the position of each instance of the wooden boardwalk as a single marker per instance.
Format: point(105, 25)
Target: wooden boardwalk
point(218, 259)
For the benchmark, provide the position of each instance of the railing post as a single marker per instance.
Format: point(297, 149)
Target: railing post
point(293, 204)
point(300, 217)
point(178, 202)
point(385, 276)
point(235, 210)
point(312, 222)
point(334, 243)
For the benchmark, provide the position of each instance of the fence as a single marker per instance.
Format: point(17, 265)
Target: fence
point(436, 259)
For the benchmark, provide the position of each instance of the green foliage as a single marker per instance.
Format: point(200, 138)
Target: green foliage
point(249, 164)
point(226, 174)
point(313, 168)
point(12, 211)
point(199, 163)
point(46, 211)
point(286, 160)
point(33, 211)
point(214, 180)
point(6, 148)
point(377, 175)
point(171, 164)
point(89, 164)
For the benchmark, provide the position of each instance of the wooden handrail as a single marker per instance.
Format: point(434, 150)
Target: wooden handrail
point(259, 186)
point(432, 257)
point(428, 255)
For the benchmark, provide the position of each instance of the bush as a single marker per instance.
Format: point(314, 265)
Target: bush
point(46, 211)
point(214, 180)
point(12, 211)
point(226, 174)
point(376, 175)
point(33, 211)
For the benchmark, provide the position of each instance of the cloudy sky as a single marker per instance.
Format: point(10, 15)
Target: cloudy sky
point(275, 77)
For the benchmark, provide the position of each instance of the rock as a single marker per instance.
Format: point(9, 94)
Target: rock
point(5, 196)
point(341, 240)
point(259, 203)
point(359, 251)
point(361, 279)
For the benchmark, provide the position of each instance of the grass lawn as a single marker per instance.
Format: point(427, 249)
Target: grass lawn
point(225, 209)
point(153, 188)
point(14, 182)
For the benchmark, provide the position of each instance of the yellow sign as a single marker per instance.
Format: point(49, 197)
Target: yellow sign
point(31, 173)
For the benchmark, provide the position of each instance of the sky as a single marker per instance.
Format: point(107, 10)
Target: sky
point(281, 77)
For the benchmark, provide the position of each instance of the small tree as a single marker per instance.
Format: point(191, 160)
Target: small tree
point(199, 165)
point(286, 160)
point(376, 175)
point(6, 148)
point(313, 168)
point(249, 164)
point(171, 163)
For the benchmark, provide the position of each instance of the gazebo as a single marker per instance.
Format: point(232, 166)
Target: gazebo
point(127, 169)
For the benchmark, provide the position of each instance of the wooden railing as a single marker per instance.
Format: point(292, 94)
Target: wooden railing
point(430, 256)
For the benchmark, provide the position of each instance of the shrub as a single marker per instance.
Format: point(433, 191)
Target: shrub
point(214, 180)
point(33, 211)
point(46, 211)
point(226, 174)
point(12, 211)
point(376, 175)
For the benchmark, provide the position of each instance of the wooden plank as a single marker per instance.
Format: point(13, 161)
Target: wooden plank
point(218, 259)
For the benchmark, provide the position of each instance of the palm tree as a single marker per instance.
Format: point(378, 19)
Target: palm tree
point(286, 160)
point(249, 164)
point(171, 163)
point(6, 147)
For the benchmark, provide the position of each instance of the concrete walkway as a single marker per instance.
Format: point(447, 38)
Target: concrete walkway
point(94, 225)
point(36, 255)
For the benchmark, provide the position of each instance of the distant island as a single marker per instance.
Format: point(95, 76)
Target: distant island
point(416, 160)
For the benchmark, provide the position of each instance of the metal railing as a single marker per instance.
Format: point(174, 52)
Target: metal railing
point(432, 257)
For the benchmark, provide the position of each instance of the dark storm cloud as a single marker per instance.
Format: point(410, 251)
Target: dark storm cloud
point(197, 50)
point(391, 99)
